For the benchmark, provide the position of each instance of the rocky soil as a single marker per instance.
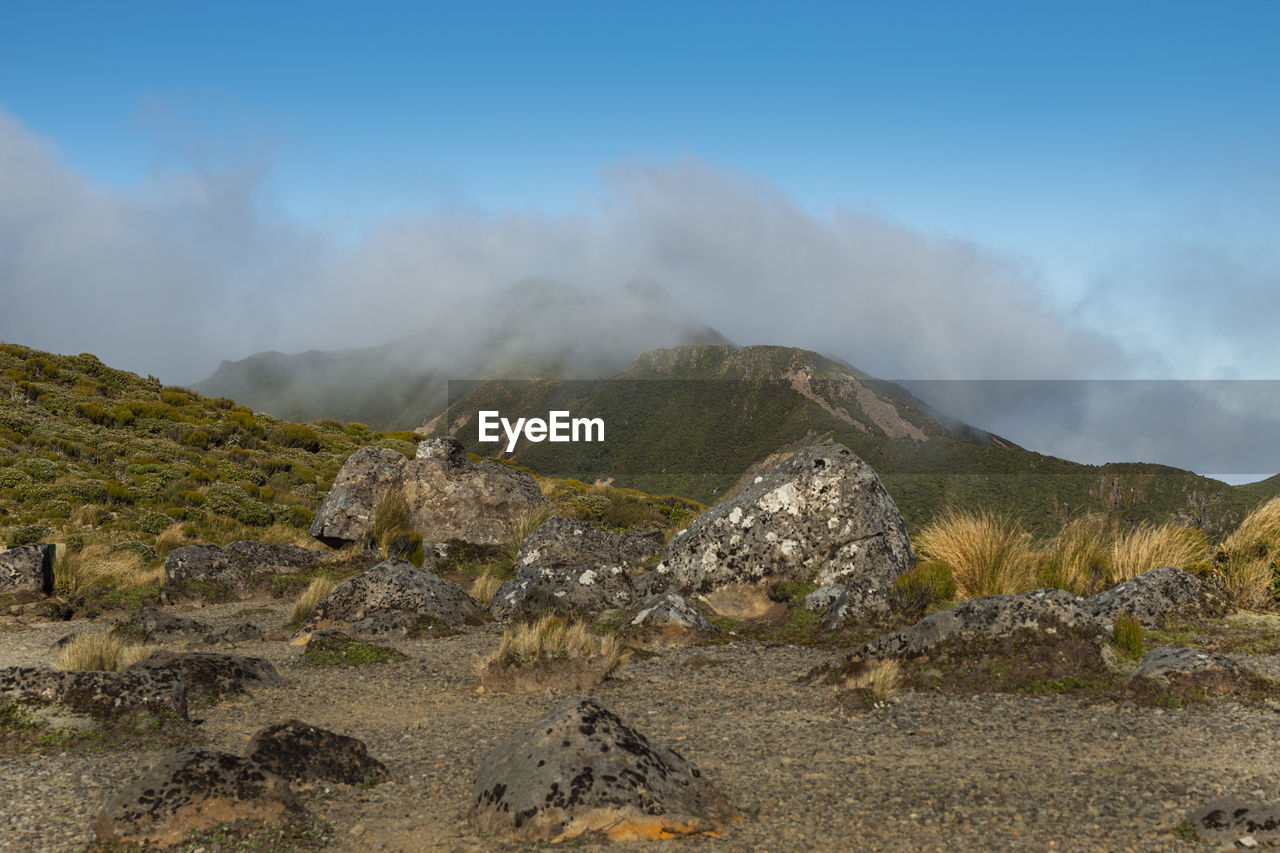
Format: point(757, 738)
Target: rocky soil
point(928, 772)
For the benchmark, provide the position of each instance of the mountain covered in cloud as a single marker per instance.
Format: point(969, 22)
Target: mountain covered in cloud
point(536, 328)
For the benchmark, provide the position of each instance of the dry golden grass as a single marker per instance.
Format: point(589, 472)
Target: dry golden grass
point(173, 536)
point(1147, 547)
point(1078, 558)
point(306, 603)
point(74, 572)
point(101, 652)
point(1248, 582)
point(283, 534)
point(86, 515)
point(390, 516)
point(878, 676)
point(554, 637)
point(988, 554)
point(1259, 534)
point(484, 586)
point(524, 524)
point(1248, 560)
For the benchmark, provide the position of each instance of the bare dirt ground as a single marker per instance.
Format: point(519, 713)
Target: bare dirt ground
point(929, 772)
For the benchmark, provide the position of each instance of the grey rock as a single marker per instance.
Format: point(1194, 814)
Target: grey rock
point(398, 626)
point(671, 610)
point(98, 693)
point(823, 597)
point(564, 589)
point(858, 601)
point(263, 557)
point(821, 517)
point(1228, 819)
point(397, 586)
point(161, 624)
point(563, 542)
point(450, 497)
point(191, 790)
point(580, 769)
point(211, 675)
point(244, 631)
point(207, 564)
point(1163, 661)
point(299, 752)
point(27, 568)
point(990, 616)
point(1152, 596)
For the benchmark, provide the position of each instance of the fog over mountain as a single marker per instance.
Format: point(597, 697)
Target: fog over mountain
point(197, 266)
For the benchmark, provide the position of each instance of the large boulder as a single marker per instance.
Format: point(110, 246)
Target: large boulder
point(397, 586)
point(564, 589)
point(990, 616)
point(27, 569)
point(207, 564)
point(102, 694)
point(564, 542)
point(450, 498)
point(191, 790)
point(820, 517)
point(1153, 596)
point(212, 675)
point(580, 769)
point(302, 753)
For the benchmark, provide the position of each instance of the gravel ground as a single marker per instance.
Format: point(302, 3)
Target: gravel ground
point(929, 772)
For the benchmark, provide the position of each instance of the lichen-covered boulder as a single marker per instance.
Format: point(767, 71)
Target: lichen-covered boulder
point(580, 769)
point(27, 569)
point(102, 694)
point(450, 498)
point(668, 618)
point(264, 557)
point(397, 586)
point(862, 600)
point(1153, 596)
point(1166, 661)
point(191, 790)
point(564, 589)
point(564, 542)
point(989, 616)
point(206, 564)
point(212, 675)
point(822, 517)
point(299, 752)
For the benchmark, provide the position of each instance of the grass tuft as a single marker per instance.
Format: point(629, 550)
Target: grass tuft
point(988, 554)
point(1078, 558)
point(306, 603)
point(100, 652)
point(1146, 547)
point(554, 637)
point(879, 678)
point(1126, 633)
point(75, 572)
point(1247, 563)
point(485, 586)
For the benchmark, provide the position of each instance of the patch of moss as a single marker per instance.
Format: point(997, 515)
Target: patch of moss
point(339, 650)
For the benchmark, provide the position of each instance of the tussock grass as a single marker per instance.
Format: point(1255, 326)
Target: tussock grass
point(283, 534)
point(879, 677)
point(100, 652)
point(988, 554)
point(306, 603)
point(1126, 633)
point(389, 517)
point(525, 523)
point(554, 637)
point(484, 586)
point(75, 572)
point(173, 536)
point(1247, 562)
point(1148, 547)
point(1078, 559)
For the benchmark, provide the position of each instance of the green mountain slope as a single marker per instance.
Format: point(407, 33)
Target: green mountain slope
point(696, 420)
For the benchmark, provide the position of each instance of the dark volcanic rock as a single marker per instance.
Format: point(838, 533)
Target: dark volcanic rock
point(27, 568)
point(98, 693)
point(564, 589)
point(206, 564)
point(563, 542)
point(211, 674)
point(302, 753)
point(821, 517)
point(580, 769)
point(158, 624)
point(1155, 595)
point(451, 498)
point(262, 557)
point(397, 586)
point(989, 616)
point(191, 790)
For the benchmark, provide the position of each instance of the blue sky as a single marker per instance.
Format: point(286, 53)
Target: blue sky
point(1101, 180)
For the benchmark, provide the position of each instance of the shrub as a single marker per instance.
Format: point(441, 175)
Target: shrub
point(1126, 633)
point(101, 652)
point(306, 603)
point(29, 534)
point(988, 554)
point(297, 435)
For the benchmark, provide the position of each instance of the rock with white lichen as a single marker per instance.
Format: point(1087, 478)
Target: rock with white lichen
point(564, 589)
